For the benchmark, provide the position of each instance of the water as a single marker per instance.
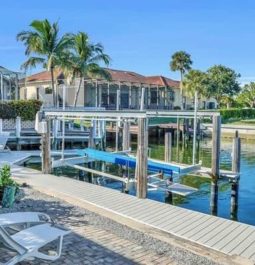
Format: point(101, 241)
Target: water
point(198, 201)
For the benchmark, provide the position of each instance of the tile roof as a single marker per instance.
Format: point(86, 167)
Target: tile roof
point(44, 76)
point(117, 75)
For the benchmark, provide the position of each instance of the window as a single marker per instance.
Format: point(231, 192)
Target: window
point(48, 90)
point(154, 96)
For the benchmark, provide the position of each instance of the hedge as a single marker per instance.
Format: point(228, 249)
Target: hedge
point(227, 114)
point(26, 109)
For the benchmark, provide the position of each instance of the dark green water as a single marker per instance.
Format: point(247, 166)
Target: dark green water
point(198, 201)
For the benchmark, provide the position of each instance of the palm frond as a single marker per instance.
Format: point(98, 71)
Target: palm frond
point(32, 62)
point(95, 71)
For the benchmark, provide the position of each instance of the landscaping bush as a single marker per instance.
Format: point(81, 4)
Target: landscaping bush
point(26, 109)
point(239, 114)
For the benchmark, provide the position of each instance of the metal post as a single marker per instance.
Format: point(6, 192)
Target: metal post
point(16, 87)
point(178, 138)
point(195, 130)
point(18, 132)
point(215, 163)
point(2, 87)
point(142, 98)
point(108, 94)
point(63, 123)
point(96, 95)
point(118, 121)
point(157, 96)
point(130, 96)
point(236, 162)
point(142, 158)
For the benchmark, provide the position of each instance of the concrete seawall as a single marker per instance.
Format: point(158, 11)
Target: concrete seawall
point(228, 130)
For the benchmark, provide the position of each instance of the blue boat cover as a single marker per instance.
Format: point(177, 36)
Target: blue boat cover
point(128, 161)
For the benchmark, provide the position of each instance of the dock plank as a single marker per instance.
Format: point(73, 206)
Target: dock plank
point(226, 236)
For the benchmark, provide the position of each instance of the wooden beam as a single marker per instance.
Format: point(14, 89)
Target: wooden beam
point(126, 136)
point(142, 158)
point(45, 147)
point(168, 147)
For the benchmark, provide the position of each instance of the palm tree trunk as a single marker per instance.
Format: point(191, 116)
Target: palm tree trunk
point(181, 90)
point(53, 86)
point(77, 92)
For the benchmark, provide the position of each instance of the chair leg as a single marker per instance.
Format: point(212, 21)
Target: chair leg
point(16, 259)
point(49, 257)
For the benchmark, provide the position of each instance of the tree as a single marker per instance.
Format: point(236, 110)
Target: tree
point(44, 47)
point(83, 61)
point(181, 61)
point(196, 80)
point(227, 101)
point(224, 82)
point(247, 96)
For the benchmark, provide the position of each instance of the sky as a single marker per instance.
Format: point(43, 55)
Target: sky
point(141, 35)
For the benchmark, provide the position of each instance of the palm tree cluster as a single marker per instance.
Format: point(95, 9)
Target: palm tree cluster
point(74, 54)
point(218, 81)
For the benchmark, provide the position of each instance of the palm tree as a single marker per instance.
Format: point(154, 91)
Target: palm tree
point(44, 47)
point(196, 80)
point(83, 61)
point(181, 61)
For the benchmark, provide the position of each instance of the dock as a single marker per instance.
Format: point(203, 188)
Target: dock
point(213, 233)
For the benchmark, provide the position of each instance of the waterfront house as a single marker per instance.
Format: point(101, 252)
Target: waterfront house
point(158, 92)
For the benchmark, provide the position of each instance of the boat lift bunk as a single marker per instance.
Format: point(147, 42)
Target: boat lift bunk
point(154, 181)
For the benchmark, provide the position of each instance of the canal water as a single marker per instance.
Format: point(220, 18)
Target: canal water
point(200, 200)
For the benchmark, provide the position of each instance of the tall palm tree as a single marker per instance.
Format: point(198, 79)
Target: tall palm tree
point(181, 61)
point(83, 61)
point(44, 47)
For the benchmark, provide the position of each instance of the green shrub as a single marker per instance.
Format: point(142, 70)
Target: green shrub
point(26, 109)
point(5, 177)
point(237, 114)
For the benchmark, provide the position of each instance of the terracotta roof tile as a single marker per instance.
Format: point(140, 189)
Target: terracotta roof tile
point(117, 75)
point(44, 76)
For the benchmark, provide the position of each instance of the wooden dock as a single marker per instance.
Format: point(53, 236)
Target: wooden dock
point(225, 236)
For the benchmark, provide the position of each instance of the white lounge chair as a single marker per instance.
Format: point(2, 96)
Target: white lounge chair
point(28, 242)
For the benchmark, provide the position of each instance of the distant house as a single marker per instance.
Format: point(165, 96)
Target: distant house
point(159, 92)
point(9, 84)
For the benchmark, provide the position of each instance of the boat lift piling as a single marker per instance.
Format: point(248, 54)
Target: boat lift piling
point(45, 147)
point(142, 158)
point(216, 134)
point(168, 147)
point(236, 159)
point(126, 147)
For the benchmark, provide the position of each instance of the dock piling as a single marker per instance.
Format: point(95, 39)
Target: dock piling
point(45, 147)
point(142, 158)
point(216, 134)
point(168, 147)
point(236, 159)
